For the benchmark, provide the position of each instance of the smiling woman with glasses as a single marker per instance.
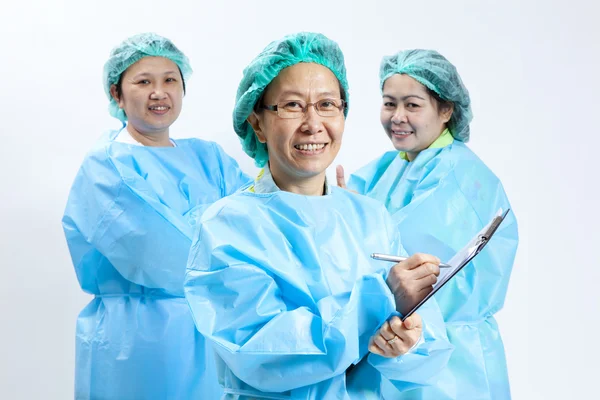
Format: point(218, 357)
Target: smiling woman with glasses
point(280, 278)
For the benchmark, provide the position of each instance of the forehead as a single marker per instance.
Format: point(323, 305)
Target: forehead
point(403, 84)
point(152, 65)
point(304, 78)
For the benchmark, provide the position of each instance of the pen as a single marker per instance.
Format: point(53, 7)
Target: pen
point(386, 257)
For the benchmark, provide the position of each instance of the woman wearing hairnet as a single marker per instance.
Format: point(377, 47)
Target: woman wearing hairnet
point(128, 231)
point(279, 277)
point(441, 195)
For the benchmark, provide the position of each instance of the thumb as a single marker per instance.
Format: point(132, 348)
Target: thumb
point(339, 176)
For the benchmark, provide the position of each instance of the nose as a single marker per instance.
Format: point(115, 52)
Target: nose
point(399, 116)
point(158, 93)
point(312, 122)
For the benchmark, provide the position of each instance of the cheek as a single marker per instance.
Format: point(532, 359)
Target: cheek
point(279, 131)
point(177, 94)
point(133, 99)
point(178, 102)
point(385, 116)
point(336, 129)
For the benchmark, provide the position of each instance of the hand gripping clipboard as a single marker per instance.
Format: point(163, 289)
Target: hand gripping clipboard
point(464, 257)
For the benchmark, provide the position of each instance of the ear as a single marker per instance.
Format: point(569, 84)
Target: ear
point(447, 113)
point(115, 94)
point(255, 122)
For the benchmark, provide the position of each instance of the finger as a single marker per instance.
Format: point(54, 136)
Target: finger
point(383, 344)
point(339, 176)
point(396, 325)
point(409, 330)
point(400, 345)
point(386, 331)
point(373, 348)
point(425, 291)
point(425, 282)
point(424, 270)
point(410, 337)
point(417, 259)
point(413, 322)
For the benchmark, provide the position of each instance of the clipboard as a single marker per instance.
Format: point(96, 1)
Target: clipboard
point(464, 257)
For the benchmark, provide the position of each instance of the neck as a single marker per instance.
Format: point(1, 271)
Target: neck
point(312, 186)
point(158, 139)
point(411, 155)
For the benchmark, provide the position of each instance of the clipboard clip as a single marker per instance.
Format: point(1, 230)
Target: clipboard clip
point(487, 235)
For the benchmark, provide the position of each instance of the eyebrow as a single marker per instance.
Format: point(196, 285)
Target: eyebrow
point(141, 74)
point(405, 97)
point(295, 93)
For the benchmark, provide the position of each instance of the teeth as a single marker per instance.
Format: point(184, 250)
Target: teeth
point(159, 108)
point(401, 133)
point(310, 147)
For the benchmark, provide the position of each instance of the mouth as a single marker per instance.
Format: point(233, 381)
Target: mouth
point(401, 133)
point(311, 148)
point(159, 109)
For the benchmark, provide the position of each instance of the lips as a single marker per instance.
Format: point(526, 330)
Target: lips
point(310, 146)
point(402, 132)
point(159, 108)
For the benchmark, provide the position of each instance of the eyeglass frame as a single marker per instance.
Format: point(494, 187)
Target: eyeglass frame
point(275, 107)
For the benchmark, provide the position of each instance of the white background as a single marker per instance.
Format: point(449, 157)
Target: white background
point(532, 70)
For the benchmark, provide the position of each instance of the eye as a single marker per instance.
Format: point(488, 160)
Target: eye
point(412, 105)
point(170, 80)
point(143, 82)
point(389, 104)
point(293, 105)
point(327, 104)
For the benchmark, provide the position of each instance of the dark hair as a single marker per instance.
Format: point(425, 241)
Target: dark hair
point(441, 103)
point(119, 84)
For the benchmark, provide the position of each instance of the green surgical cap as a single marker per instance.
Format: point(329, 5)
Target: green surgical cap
point(130, 51)
point(292, 49)
point(435, 72)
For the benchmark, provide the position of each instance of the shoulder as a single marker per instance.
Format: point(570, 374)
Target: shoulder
point(466, 165)
point(358, 203)
point(242, 204)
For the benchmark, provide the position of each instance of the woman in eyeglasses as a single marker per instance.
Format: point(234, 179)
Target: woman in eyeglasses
point(280, 278)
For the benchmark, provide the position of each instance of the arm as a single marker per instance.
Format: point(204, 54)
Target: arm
point(410, 281)
point(117, 214)
point(420, 366)
point(234, 178)
point(264, 327)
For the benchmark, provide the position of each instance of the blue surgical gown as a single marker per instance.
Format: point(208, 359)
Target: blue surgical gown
point(127, 225)
point(440, 201)
point(284, 287)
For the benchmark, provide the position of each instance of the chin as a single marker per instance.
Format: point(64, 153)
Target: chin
point(310, 171)
point(401, 146)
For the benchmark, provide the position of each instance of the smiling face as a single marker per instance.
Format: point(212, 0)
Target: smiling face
point(410, 116)
point(300, 149)
point(151, 95)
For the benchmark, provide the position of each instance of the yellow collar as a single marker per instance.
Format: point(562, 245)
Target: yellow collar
point(445, 139)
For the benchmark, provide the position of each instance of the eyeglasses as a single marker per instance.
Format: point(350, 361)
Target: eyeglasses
point(297, 108)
